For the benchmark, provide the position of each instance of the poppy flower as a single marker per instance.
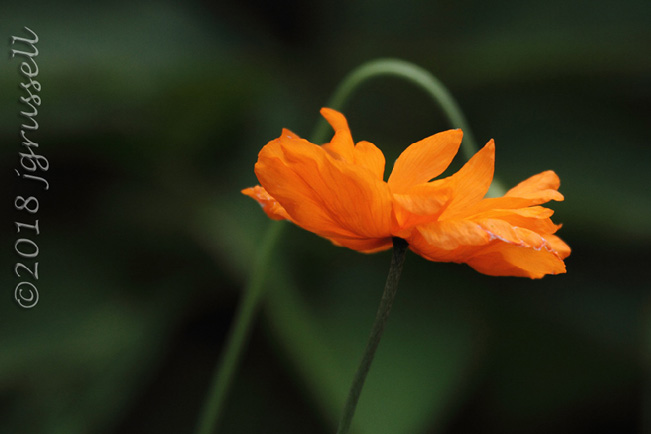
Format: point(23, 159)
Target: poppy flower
point(337, 191)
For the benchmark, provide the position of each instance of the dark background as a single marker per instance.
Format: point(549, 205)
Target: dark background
point(152, 116)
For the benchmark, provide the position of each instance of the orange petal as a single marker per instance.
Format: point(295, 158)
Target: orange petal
point(291, 191)
point(492, 203)
point(559, 246)
point(451, 234)
point(447, 241)
point(364, 245)
point(341, 146)
point(269, 205)
point(424, 160)
point(470, 184)
point(418, 205)
point(504, 259)
point(502, 231)
point(535, 218)
point(324, 195)
point(491, 246)
point(517, 251)
point(540, 188)
point(367, 155)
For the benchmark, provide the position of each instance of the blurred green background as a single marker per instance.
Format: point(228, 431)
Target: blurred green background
point(152, 115)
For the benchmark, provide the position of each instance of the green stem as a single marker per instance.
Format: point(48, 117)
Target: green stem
point(646, 362)
point(414, 74)
point(390, 288)
point(239, 333)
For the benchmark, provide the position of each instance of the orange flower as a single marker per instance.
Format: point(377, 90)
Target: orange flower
point(337, 191)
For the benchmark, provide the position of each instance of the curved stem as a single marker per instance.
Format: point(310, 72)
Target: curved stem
point(239, 333)
point(414, 74)
point(390, 288)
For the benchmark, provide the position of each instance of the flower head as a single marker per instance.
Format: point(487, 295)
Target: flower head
point(338, 192)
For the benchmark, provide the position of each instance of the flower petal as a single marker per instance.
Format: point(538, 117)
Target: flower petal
point(323, 195)
point(367, 155)
point(470, 184)
point(291, 191)
point(451, 234)
point(269, 205)
point(540, 188)
point(535, 218)
point(418, 205)
point(502, 231)
point(517, 251)
point(489, 204)
point(424, 160)
point(447, 241)
point(341, 146)
point(364, 245)
point(559, 246)
point(504, 259)
point(491, 246)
